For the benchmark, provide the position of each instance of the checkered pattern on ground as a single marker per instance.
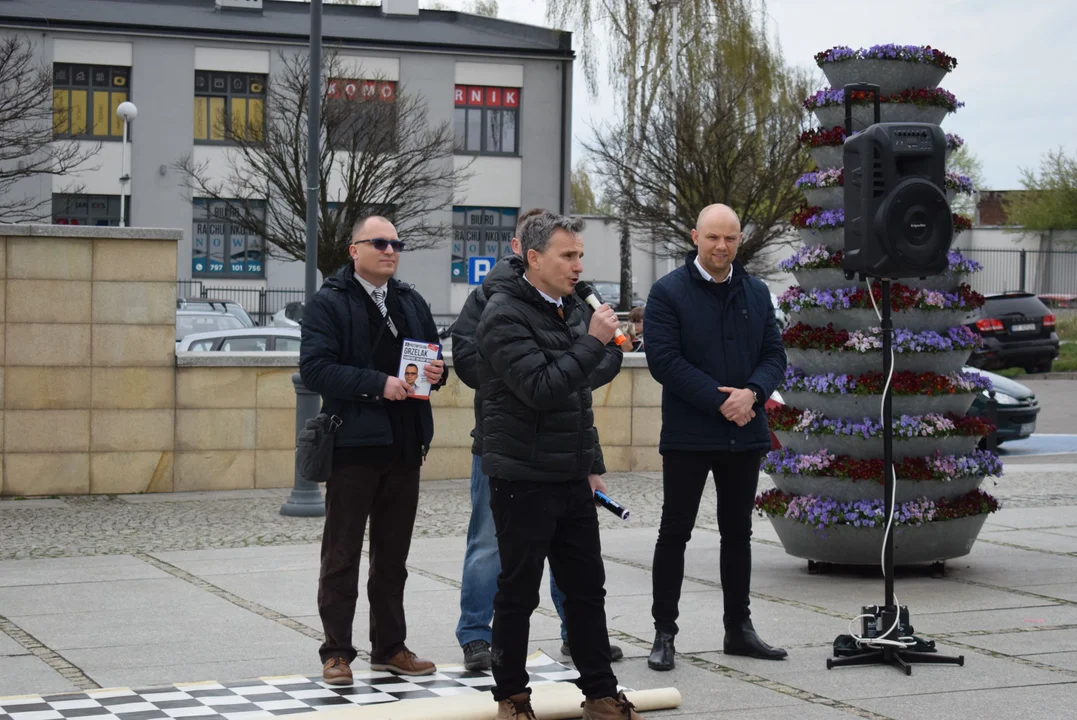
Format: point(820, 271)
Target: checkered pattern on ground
point(265, 697)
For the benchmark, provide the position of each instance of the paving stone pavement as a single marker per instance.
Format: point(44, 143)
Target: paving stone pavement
point(151, 589)
point(118, 524)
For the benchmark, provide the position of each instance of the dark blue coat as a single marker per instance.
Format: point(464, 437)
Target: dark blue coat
point(697, 343)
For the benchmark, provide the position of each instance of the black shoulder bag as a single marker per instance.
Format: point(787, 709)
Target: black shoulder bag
point(314, 444)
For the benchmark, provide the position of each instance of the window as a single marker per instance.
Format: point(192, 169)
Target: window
point(245, 344)
point(222, 246)
point(287, 344)
point(360, 114)
point(203, 346)
point(85, 98)
point(486, 120)
point(480, 232)
point(92, 210)
point(228, 106)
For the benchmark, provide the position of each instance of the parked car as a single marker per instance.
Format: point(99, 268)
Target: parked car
point(265, 339)
point(1018, 330)
point(1059, 300)
point(610, 293)
point(1016, 409)
point(197, 321)
point(289, 316)
point(230, 307)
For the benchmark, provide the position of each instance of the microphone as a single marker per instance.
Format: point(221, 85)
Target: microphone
point(612, 505)
point(584, 291)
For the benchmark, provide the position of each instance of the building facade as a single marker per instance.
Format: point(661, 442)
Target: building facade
point(505, 88)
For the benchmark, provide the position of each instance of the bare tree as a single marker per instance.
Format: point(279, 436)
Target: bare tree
point(378, 149)
point(28, 123)
point(636, 37)
point(728, 135)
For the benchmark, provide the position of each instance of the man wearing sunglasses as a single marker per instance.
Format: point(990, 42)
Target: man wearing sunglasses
point(352, 334)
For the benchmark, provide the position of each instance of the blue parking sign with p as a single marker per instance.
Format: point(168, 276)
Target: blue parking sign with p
point(477, 269)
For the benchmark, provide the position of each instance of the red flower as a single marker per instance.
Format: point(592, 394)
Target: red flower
point(807, 337)
point(817, 138)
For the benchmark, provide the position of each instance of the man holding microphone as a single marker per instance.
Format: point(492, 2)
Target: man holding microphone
point(541, 453)
point(714, 346)
point(481, 561)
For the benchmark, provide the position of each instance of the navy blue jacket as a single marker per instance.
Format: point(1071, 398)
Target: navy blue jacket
point(696, 344)
point(336, 360)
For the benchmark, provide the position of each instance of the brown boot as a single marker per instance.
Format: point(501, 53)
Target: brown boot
point(517, 707)
point(336, 671)
point(405, 662)
point(608, 708)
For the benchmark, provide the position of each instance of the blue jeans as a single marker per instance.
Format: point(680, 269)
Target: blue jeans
point(482, 565)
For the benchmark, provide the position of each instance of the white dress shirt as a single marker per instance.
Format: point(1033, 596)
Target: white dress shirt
point(545, 297)
point(708, 277)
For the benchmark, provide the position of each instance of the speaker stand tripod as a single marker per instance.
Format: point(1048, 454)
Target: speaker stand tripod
point(890, 654)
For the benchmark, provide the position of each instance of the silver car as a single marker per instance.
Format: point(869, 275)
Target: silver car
point(255, 339)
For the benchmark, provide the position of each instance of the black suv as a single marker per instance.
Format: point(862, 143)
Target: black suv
point(1018, 330)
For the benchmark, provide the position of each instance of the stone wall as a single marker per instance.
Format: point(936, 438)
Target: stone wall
point(235, 422)
point(87, 340)
point(95, 400)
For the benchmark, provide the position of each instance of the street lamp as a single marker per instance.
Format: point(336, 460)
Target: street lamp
point(305, 499)
point(127, 112)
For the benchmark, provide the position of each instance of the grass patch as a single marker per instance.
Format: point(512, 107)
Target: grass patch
point(1066, 326)
point(1065, 362)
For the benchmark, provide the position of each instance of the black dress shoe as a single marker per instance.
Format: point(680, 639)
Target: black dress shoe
point(616, 653)
point(662, 653)
point(744, 641)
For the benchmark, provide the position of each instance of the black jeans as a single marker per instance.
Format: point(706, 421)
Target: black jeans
point(736, 476)
point(389, 495)
point(533, 521)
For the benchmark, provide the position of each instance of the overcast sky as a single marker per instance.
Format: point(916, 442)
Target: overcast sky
point(1015, 73)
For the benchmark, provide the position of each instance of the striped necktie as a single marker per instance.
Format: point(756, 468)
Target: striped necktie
point(379, 300)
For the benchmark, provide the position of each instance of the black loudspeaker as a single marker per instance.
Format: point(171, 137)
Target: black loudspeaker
point(897, 221)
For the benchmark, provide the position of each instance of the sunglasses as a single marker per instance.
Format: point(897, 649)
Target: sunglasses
point(381, 243)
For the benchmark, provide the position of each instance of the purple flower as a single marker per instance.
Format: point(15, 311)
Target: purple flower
point(959, 183)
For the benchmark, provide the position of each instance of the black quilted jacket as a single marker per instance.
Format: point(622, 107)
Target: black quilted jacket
point(535, 374)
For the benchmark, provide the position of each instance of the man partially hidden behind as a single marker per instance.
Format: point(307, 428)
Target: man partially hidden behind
point(544, 464)
point(481, 562)
point(713, 344)
point(353, 332)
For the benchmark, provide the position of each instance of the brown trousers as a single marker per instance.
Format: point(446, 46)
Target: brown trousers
point(389, 495)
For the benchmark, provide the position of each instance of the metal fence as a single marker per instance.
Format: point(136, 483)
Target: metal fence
point(260, 303)
point(1043, 272)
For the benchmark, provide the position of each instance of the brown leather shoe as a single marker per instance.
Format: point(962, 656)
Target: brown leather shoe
point(406, 662)
point(517, 707)
point(336, 671)
point(608, 708)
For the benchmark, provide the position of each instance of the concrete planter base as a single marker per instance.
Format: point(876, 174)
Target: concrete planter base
point(827, 157)
point(826, 198)
point(831, 278)
point(816, 362)
point(862, 319)
point(845, 545)
point(836, 405)
point(892, 76)
point(863, 448)
point(833, 239)
point(864, 114)
point(843, 490)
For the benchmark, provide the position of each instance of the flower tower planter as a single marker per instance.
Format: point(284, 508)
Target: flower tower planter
point(827, 505)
